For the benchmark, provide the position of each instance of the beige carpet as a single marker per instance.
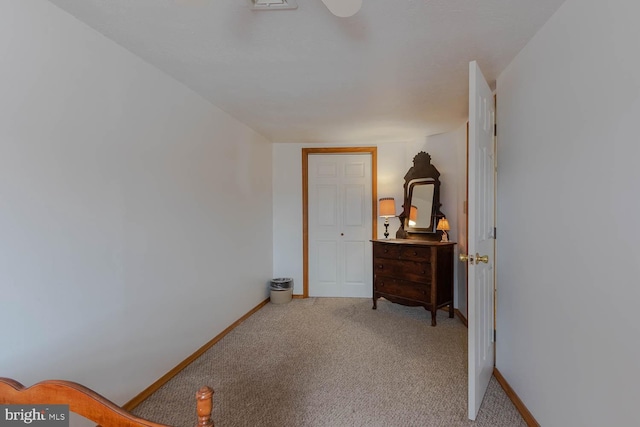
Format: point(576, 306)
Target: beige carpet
point(334, 362)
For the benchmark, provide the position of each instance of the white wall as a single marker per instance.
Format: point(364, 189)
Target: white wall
point(287, 213)
point(568, 209)
point(394, 160)
point(136, 218)
point(449, 154)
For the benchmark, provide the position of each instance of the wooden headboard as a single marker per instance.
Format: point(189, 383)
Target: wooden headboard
point(89, 404)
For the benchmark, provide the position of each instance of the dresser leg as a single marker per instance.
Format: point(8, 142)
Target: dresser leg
point(451, 313)
point(433, 317)
point(375, 303)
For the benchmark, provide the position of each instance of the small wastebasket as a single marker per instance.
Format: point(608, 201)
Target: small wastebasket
point(281, 290)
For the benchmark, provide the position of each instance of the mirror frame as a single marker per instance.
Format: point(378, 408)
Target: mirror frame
point(421, 171)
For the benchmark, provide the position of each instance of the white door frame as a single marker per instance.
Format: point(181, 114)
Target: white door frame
point(306, 152)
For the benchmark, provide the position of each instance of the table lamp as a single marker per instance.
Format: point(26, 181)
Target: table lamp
point(387, 210)
point(443, 225)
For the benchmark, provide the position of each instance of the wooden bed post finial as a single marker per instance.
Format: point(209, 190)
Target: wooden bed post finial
point(204, 402)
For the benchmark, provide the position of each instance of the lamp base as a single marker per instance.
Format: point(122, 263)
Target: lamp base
point(386, 229)
point(445, 236)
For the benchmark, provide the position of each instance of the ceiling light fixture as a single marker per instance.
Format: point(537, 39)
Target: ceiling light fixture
point(272, 4)
point(343, 8)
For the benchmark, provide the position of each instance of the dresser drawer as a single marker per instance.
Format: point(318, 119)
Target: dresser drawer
point(386, 251)
point(406, 270)
point(403, 289)
point(415, 253)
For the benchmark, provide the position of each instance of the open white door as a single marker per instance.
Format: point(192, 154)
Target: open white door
point(481, 236)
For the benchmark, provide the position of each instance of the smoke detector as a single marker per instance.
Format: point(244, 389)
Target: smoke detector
point(272, 4)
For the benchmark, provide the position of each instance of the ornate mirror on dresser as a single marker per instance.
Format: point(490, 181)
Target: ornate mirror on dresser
point(416, 268)
point(421, 207)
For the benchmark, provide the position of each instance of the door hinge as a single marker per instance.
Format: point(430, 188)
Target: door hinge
point(492, 234)
point(495, 129)
point(495, 233)
point(494, 335)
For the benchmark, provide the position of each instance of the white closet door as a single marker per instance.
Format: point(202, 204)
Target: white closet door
point(340, 225)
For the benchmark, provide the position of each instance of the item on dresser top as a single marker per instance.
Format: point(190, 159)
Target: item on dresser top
point(421, 205)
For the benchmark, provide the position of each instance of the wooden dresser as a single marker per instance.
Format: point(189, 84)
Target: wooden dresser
point(414, 272)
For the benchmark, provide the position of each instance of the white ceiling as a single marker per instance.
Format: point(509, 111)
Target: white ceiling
point(396, 70)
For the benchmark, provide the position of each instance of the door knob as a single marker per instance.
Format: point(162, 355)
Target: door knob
point(480, 259)
point(465, 258)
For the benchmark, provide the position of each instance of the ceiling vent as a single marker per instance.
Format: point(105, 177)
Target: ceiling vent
point(272, 4)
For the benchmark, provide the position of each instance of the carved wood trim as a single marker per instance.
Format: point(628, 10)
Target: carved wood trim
point(89, 404)
point(422, 168)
